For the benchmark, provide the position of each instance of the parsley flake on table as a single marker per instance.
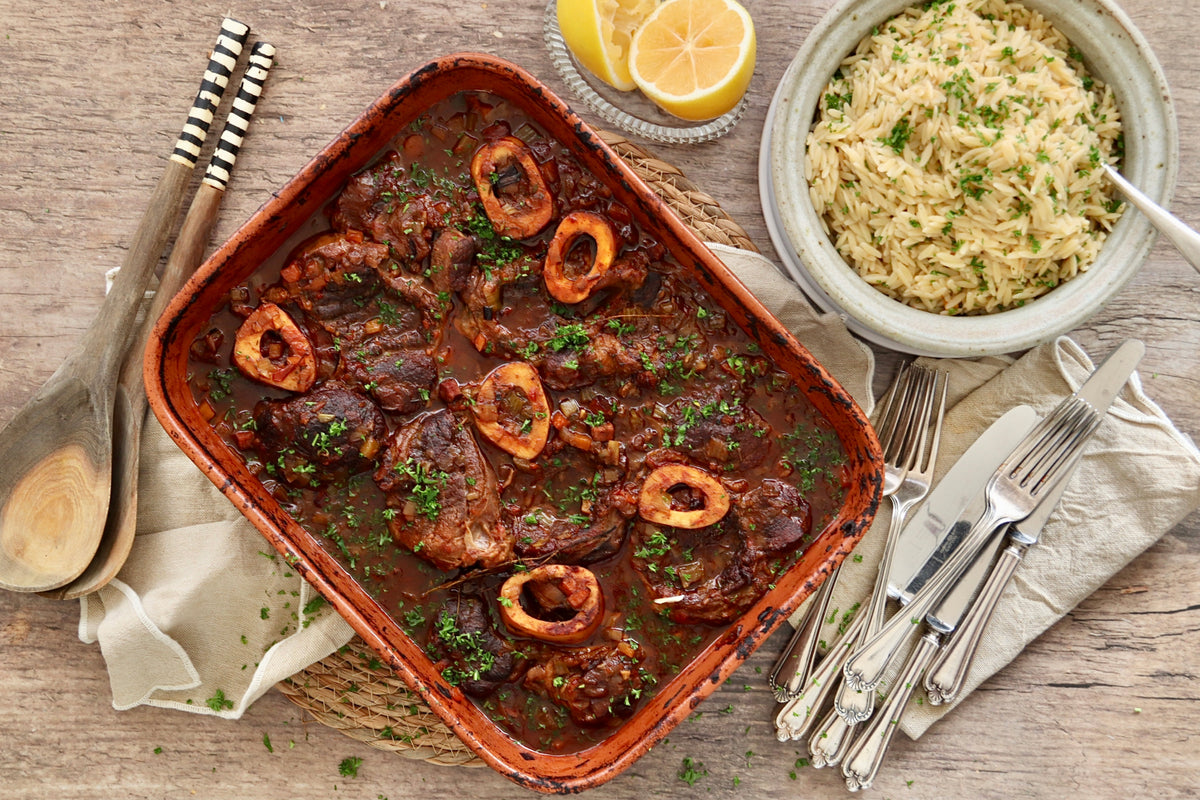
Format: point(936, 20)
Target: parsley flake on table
point(219, 702)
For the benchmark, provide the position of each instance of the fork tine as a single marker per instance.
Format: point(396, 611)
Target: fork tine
point(910, 418)
point(919, 404)
point(892, 409)
point(920, 431)
point(1074, 433)
point(931, 458)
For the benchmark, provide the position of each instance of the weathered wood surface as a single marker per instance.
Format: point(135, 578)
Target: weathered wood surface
point(92, 95)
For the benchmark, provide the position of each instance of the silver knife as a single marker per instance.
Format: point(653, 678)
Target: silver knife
point(955, 503)
point(1099, 390)
point(866, 667)
point(866, 753)
point(946, 675)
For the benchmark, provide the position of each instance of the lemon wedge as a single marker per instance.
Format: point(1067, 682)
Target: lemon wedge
point(694, 58)
point(598, 33)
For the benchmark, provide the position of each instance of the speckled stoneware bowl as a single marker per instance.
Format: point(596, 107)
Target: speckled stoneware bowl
point(1114, 51)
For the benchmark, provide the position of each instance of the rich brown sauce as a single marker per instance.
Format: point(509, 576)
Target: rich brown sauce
point(645, 373)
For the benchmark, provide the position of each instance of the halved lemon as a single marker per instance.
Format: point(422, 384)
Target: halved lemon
point(694, 58)
point(598, 33)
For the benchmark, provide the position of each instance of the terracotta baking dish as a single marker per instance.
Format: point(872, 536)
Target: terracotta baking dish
point(166, 371)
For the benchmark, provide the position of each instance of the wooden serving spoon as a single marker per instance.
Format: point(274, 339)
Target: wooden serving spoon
point(130, 403)
point(129, 410)
point(56, 454)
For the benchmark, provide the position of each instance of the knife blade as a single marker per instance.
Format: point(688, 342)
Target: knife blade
point(957, 500)
point(1099, 390)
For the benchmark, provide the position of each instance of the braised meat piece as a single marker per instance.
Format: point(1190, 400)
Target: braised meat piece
point(445, 493)
point(541, 534)
point(469, 653)
point(395, 205)
point(597, 685)
point(394, 368)
point(724, 435)
point(714, 574)
point(417, 291)
point(331, 430)
point(603, 356)
point(452, 260)
point(333, 274)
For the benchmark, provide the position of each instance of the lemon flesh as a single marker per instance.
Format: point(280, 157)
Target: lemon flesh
point(598, 34)
point(694, 58)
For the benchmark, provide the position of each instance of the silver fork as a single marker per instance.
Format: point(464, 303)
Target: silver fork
point(916, 463)
point(792, 671)
point(856, 706)
point(1033, 469)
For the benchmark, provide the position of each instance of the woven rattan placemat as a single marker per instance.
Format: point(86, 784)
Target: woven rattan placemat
point(352, 690)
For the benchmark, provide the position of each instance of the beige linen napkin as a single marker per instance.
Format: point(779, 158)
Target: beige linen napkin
point(204, 617)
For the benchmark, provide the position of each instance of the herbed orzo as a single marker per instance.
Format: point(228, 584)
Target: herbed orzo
point(955, 157)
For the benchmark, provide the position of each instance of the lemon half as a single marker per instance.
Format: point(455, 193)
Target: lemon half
point(694, 58)
point(598, 33)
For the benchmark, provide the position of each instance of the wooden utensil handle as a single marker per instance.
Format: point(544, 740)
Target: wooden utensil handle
point(194, 234)
point(113, 326)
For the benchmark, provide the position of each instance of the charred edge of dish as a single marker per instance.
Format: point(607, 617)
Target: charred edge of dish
point(545, 785)
point(747, 646)
point(769, 619)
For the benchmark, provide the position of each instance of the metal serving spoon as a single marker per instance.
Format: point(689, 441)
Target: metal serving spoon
point(1185, 239)
point(57, 453)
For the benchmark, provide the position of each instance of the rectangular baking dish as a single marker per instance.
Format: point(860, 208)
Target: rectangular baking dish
point(166, 372)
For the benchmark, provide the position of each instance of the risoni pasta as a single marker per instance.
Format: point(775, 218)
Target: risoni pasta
point(955, 160)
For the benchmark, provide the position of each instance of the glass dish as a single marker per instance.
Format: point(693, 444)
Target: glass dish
point(630, 112)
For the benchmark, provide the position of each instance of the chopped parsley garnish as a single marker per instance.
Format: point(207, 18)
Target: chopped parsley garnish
point(218, 701)
point(899, 136)
point(427, 487)
point(692, 771)
point(836, 102)
point(470, 646)
point(569, 337)
point(494, 249)
point(220, 383)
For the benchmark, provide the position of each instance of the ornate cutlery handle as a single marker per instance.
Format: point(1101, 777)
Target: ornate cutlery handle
point(854, 705)
point(830, 740)
point(795, 663)
point(867, 666)
point(867, 752)
point(945, 677)
point(799, 714)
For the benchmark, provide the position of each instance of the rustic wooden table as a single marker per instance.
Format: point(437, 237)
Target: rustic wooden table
point(91, 96)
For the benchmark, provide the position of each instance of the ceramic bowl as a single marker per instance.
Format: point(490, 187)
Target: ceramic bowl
point(1113, 50)
point(282, 218)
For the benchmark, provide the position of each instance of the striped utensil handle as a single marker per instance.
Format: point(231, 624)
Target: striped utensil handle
point(221, 64)
point(115, 322)
point(237, 125)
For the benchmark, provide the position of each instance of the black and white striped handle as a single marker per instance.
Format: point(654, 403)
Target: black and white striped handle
point(221, 64)
point(237, 125)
